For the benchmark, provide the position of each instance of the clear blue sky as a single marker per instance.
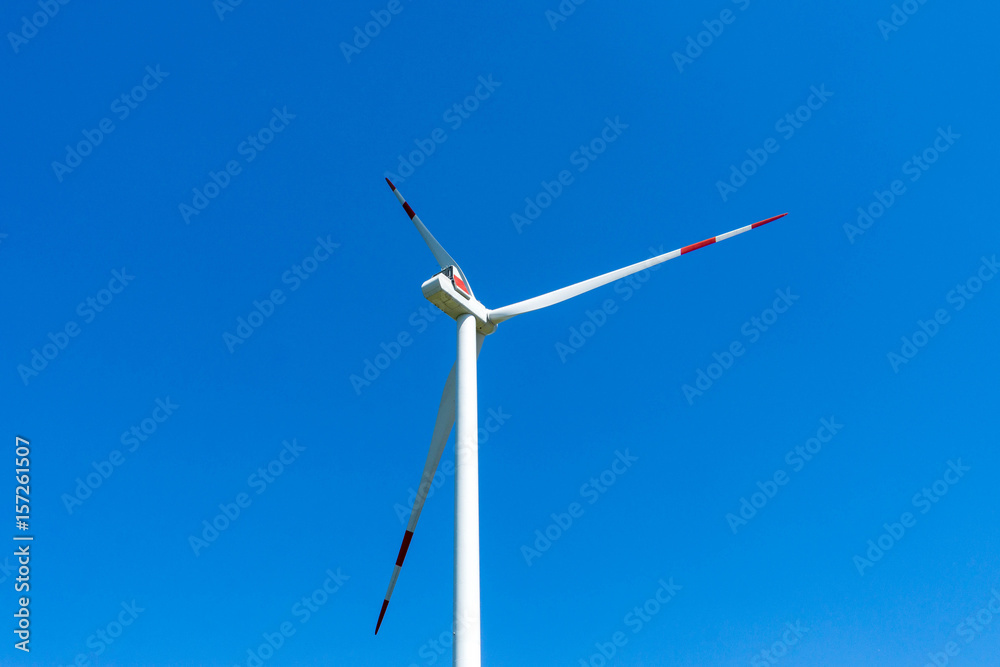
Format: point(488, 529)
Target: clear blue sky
point(248, 155)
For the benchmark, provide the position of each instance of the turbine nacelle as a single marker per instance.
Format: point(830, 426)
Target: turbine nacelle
point(451, 294)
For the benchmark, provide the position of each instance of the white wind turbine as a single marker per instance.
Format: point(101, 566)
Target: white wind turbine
point(449, 290)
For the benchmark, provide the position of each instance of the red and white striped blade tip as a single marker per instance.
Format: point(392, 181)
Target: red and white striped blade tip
point(385, 604)
point(764, 222)
point(390, 184)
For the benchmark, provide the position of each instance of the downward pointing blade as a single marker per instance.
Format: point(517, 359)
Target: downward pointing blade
point(442, 429)
point(500, 314)
point(440, 254)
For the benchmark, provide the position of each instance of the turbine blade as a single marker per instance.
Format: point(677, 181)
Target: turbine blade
point(500, 314)
point(440, 254)
point(442, 429)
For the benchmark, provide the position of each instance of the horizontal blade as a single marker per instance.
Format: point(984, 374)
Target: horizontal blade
point(500, 314)
point(442, 429)
point(440, 254)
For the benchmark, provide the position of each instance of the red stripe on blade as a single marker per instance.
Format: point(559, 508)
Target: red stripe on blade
point(385, 604)
point(407, 536)
point(764, 222)
point(699, 244)
point(390, 184)
point(409, 211)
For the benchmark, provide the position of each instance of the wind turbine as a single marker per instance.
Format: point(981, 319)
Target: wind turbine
point(450, 291)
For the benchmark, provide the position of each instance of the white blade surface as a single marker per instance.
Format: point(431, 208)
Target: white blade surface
point(440, 254)
point(500, 314)
point(442, 429)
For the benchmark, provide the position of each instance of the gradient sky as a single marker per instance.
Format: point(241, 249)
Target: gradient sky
point(247, 156)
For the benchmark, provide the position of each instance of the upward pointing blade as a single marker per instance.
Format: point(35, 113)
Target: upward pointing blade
point(440, 254)
point(500, 314)
point(442, 429)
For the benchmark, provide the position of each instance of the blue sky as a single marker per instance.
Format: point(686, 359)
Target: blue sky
point(210, 177)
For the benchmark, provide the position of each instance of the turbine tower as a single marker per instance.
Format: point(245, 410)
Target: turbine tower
point(450, 291)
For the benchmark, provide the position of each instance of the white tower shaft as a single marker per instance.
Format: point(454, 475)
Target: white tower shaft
point(467, 630)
